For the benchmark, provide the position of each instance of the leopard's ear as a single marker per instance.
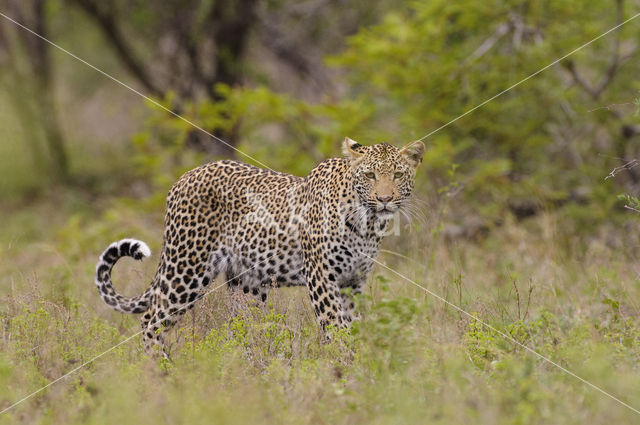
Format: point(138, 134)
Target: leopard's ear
point(350, 148)
point(413, 153)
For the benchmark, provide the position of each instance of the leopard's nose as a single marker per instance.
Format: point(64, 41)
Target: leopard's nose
point(384, 198)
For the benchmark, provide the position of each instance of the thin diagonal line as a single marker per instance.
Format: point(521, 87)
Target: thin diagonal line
point(529, 77)
point(126, 340)
point(264, 165)
point(68, 373)
point(154, 102)
point(144, 96)
point(506, 336)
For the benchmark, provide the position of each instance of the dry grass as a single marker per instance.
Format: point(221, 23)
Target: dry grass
point(413, 359)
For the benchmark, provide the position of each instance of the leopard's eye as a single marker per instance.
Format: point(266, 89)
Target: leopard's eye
point(370, 175)
point(398, 174)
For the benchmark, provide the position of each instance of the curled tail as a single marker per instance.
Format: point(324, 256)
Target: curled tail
point(124, 248)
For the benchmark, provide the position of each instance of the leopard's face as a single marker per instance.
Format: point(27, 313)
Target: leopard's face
point(383, 175)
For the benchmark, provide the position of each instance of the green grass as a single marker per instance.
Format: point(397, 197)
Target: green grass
point(412, 359)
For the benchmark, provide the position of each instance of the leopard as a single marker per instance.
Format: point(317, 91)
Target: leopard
point(264, 229)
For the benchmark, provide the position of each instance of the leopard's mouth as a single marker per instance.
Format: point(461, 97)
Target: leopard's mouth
point(383, 209)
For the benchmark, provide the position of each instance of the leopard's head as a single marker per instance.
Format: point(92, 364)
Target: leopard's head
point(383, 175)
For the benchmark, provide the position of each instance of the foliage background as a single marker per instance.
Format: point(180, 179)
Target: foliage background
point(517, 224)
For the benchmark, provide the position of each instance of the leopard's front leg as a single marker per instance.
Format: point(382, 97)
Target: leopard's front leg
point(324, 290)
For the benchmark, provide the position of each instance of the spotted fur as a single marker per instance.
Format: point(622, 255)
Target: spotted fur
point(266, 229)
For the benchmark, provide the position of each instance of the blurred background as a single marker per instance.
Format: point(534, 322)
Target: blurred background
point(511, 200)
point(286, 81)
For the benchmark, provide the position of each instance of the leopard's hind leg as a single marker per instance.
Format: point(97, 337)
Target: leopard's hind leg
point(170, 300)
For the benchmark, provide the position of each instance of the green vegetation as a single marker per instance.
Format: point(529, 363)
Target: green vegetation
point(411, 359)
point(516, 224)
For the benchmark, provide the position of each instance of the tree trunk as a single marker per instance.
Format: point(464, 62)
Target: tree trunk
point(41, 106)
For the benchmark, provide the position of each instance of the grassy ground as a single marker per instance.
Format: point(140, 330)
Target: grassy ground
point(412, 359)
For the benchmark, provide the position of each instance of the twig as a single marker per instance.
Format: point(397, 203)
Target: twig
point(611, 107)
point(629, 207)
point(628, 166)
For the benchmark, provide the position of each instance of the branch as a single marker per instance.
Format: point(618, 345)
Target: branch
point(629, 207)
point(489, 42)
point(206, 81)
point(615, 56)
point(612, 68)
point(571, 67)
point(287, 41)
point(275, 41)
point(627, 166)
point(107, 22)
